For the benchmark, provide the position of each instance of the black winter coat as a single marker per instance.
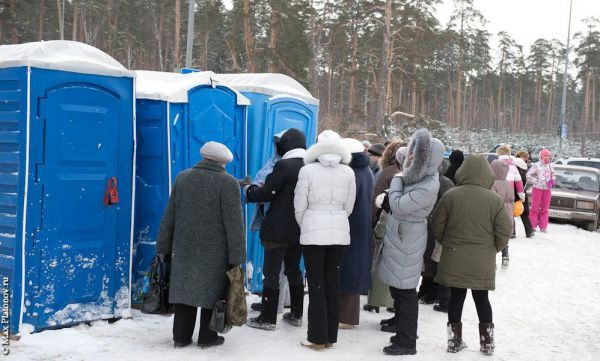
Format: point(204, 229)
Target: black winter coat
point(355, 271)
point(280, 227)
point(430, 266)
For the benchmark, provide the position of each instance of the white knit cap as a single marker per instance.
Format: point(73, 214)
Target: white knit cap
point(353, 145)
point(217, 152)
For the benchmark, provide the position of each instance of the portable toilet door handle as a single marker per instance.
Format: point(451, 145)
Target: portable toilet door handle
point(112, 195)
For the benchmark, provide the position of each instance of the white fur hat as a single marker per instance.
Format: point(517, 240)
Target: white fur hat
point(217, 152)
point(520, 163)
point(353, 145)
point(329, 136)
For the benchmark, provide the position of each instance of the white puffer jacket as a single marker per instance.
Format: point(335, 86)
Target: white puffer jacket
point(325, 193)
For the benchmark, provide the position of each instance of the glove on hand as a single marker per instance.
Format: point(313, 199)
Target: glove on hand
point(385, 205)
point(244, 182)
point(521, 196)
point(379, 200)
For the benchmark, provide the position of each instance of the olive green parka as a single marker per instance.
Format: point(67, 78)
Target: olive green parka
point(472, 225)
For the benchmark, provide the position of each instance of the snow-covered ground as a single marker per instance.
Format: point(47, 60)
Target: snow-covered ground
point(546, 307)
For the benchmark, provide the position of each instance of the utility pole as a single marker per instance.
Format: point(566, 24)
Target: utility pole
point(190, 35)
point(564, 89)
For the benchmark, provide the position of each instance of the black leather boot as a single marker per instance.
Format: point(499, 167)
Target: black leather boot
point(294, 317)
point(268, 316)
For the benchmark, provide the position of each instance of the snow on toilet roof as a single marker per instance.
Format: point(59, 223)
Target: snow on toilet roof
point(270, 84)
point(174, 87)
point(62, 55)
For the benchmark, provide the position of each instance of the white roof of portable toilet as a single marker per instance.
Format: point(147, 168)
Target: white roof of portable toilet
point(62, 55)
point(270, 84)
point(174, 87)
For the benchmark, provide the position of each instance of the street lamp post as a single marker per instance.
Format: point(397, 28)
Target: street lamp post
point(564, 89)
point(189, 49)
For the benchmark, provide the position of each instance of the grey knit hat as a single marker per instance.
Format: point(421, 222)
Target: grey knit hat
point(401, 154)
point(216, 152)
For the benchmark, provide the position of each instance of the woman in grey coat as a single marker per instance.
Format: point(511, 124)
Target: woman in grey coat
point(203, 231)
point(412, 196)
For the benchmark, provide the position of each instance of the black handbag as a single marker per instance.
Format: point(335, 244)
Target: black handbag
point(218, 320)
point(156, 300)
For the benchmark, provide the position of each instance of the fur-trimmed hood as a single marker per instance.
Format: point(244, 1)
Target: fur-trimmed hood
point(328, 148)
point(425, 154)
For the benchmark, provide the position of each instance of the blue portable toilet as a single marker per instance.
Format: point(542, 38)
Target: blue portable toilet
point(66, 183)
point(278, 102)
point(176, 115)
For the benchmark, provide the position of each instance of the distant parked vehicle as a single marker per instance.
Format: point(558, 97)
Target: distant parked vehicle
point(576, 195)
point(585, 162)
point(490, 156)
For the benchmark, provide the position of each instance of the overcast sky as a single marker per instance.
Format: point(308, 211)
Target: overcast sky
point(526, 20)
point(529, 20)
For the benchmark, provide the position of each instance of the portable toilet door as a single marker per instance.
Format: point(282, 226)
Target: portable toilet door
point(176, 115)
point(278, 102)
point(285, 112)
point(214, 115)
point(282, 112)
point(71, 129)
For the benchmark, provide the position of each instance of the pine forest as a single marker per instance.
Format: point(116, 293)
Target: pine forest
point(363, 59)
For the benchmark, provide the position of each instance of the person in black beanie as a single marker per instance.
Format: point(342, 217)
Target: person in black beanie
point(280, 233)
point(375, 151)
point(456, 159)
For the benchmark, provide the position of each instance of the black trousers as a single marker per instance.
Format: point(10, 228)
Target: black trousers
point(457, 300)
point(323, 274)
point(290, 256)
point(185, 320)
point(444, 295)
point(406, 310)
point(525, 218)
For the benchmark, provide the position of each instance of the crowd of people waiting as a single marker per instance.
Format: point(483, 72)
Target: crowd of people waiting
point(374, 219)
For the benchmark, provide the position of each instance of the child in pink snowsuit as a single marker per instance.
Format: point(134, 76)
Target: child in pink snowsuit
point(542, 178)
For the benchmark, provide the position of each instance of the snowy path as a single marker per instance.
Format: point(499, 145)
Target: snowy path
point(546, 307)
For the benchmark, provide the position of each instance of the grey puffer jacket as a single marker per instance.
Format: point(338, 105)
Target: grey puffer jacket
point(412, 196)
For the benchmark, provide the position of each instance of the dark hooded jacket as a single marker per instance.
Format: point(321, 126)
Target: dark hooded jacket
point(430, 267)
point(355, 271)
point(472, 225)
point(456, 158)
point(280, 227)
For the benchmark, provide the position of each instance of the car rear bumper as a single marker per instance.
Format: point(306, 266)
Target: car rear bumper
point(572, 215)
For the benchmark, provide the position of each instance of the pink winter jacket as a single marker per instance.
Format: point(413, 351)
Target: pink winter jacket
point(541, 175)
point(513, 177)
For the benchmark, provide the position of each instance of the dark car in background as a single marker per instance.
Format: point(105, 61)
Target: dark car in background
point(575, 196)
point(490, 157)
